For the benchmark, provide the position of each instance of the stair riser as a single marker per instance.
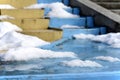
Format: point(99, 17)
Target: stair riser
point(31, 24)
point(46, 35)
point(23, 13)
point(67, 33)
point(48, 1)
point(58, 22)
point(35, 24)
point(18, 3)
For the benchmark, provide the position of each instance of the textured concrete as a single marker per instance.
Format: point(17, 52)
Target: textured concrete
point(102, 16)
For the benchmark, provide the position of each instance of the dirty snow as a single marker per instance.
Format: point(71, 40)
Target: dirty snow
point(6, 6)
point(57, 10)
point(113, 39)
point(80, 63)
point(108, 58)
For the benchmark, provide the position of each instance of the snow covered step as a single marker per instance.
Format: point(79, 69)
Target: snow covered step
point(48, 1)
point(70, 10)
point(31, 24)
point(58, 22)
point(47, 10)
point(23, 13)
point(18, 3)
point(68, 33)
point(47, 35)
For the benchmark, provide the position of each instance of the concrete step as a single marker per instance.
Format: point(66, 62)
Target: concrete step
point(23, 13)
point(83, 22)
point(116, 11)
point(67, 33)
point(106, 0)
point(31, 24)
point(58, 22)
point(18, 3)
point(110, 5)
point(49, 35)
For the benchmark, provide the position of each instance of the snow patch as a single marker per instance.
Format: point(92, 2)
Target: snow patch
point(14, 39)
point(27, 53)
point(112, 39)
point(8, 27)
point(9, 38)
point(5, 17)
point(57, 10)
point(6, 6)
point(80, 63)
point(71, 27)
point(108, 58)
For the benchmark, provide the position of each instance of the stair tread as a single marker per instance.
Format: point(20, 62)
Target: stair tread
point(110, 5)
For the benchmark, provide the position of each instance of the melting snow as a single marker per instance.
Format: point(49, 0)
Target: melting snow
point(57, 10)
point(70, 27)
point(107, 58)
point(22, 47)
point(6, 6)
point(80, 63)
point(112, 39)
point(8, 27)
point(4, 17)
point(27, 53)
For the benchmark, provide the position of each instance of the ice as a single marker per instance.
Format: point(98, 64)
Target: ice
point(5, 17)
point(70, 27)
point(113, 39)
point(80, 63)
point(6, 6)
point(28, 53)
point(57, 10)
point(108, 58)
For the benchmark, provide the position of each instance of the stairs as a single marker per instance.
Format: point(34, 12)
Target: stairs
point(33, 21)
point(113, 5)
